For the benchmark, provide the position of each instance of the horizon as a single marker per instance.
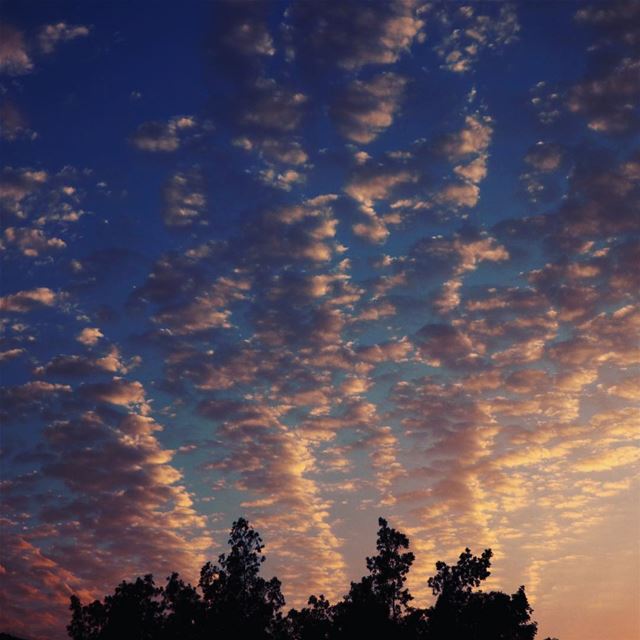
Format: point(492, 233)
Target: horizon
point(313, 263)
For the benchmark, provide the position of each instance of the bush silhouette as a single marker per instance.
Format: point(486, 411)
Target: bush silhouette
point(232, 600)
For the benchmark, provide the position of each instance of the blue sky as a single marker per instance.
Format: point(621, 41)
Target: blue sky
point(313, 263)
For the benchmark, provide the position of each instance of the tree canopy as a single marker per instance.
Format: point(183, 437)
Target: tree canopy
point(232, 599)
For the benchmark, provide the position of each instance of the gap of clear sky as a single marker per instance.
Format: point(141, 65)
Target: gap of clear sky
point(314, 263)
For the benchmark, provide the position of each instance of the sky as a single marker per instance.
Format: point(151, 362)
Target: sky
point(313, 263)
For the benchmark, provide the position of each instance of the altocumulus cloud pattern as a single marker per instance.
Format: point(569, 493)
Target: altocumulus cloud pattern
point(312, 262)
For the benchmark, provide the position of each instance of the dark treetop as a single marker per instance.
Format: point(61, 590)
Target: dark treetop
point(233, 600)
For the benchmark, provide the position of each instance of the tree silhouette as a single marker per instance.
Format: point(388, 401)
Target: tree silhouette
point(461, 612)
point(467, 573)
point(183, 610)
point(233, 600)
point(378, 602)
point(234, 594)
point(133, 612)
point(315, 622)
point(389, 569)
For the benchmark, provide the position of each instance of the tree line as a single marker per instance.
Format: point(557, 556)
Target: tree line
point(233, 600)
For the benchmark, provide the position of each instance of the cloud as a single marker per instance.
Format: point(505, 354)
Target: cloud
point(185, 200)
point(606, 337)
point(528, 350)
point(157, 136)
point(470, 33)
point(273, 465)
point(300, 232)
point(618, 19)
point(394, 351)
point(608, 94)
point(546, 102)
point(444, 345)
point(473, 251)
point(206, 311)
point(627, 388)
point(367, 108)
point(459, 254)
point(271, 107)
point(27, 608)
point(281, 150)
point(449, 297)
point(240, 39)
point(475, 171)
point(263, 113)
point(407, 178)
point(51, 35)
point(250, 38)
point(89, 336)
point(14, 56)
point(284, 180)
point(394, 175)
point(17, 184)
point(609, 101)
point(13, 123)
point(119, 496)
point(460, 194)
point(30, 399)
point(228, 370)
point(15, 52)
point(118, 392)
point(373, 33)
point(25, 301)
point(611, 459)
point(371, 182)
point(82, 366)
point(10, 354)
point(601, 200)
point(173, 276)
point(32, 242)
point(473, 138)
point(375, 229)
point(544, 157)
point(268, 116)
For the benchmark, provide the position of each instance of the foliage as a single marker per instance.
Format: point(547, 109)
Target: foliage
point(389, 569)
point(233, 591)
point(461, 578)
point(232, 599)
